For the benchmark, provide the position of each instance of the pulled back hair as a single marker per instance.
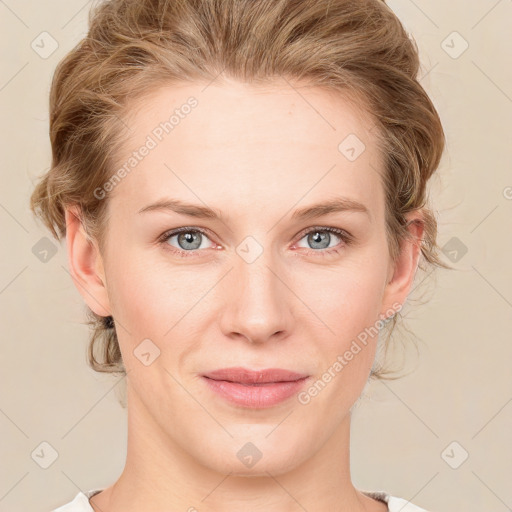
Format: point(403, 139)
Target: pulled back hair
point(357, 48)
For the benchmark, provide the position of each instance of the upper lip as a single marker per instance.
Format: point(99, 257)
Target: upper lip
point(246, 376)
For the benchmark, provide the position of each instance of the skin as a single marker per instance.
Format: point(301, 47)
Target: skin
point(256, 155)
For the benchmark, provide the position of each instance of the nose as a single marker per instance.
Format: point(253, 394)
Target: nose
point(259, 304)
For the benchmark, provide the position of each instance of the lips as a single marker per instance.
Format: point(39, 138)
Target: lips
point(246, 376)
point(255, 389)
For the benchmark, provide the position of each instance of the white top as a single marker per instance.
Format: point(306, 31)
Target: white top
point(81, 502)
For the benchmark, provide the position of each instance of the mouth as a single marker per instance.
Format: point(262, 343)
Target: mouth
point(245, 376)
point(255, 389)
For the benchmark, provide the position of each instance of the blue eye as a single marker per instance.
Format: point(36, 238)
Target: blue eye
point(320, 238)
point(189, 240)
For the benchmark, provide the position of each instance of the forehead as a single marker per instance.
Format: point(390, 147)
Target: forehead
point(243, 143)
point(243, 113)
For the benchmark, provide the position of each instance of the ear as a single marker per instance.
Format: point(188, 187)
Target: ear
point(86, 264)
point(401, 275)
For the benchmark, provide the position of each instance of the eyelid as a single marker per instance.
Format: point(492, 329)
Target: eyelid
point(342, 233)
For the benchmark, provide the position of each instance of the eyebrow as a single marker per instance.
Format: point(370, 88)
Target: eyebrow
point(339, 204)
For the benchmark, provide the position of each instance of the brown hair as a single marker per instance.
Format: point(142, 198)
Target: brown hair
point(354, 47)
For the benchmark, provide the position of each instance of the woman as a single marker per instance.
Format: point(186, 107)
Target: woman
point(242, 188)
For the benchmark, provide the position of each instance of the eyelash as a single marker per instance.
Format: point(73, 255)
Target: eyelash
point(346, 238)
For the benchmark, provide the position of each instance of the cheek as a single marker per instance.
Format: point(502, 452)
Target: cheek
point(350, 307)
point(347, 298)
point(141, 299)
point(155, 298)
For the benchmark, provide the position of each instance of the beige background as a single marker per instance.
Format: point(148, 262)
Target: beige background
point(461, 387)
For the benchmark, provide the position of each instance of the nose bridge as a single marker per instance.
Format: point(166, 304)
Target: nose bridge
point(259, 302)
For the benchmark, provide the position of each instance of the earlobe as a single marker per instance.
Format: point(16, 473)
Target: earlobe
point(85, 264)
point(401, 277)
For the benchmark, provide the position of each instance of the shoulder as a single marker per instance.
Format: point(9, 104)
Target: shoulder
point(80, 502)
point(400, 505)
point(395, 504)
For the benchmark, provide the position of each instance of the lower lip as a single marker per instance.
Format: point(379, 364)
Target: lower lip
point(255, 396)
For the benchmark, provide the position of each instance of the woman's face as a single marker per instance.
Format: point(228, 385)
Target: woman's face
point(256, 280)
